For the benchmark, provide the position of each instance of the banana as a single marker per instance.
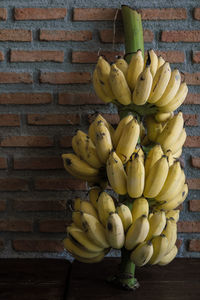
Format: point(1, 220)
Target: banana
point(171, 89)
point(140, 207)
point(177, 100)
point(92, 260)
point(116, 174)
point(135, 177)
point(164, 117)
point(153, 61)
point(173, 213)
point(76, 218)
point(160, 244)
point(128, 140)
point(135, 67)
point(94, 230)
point(170, 157)
point(154, 128)
point(170, 231)
point(160, 82)
point(81, 238)
point(77, 204)
point(142, 253)
point(103, 141)
point(118, 132)
point(168, 257)
point(115, 231)
point(106, 206)
point(156, 178)
point(125, 215)
point(137, 232)
point(152, 157)
point(143, 87)
point(92, 127)
point(75, 146)
point(142, 131)
point(161, 62)
point(98, 88)
point(122, 65)
point(103, 71)
point(138, 151)
point(94, 193)
point(87, 150)
point(88, 208)
point(170, 185)
point(119, 85)
point(178, 153)
point(180, 142)
point(156, 223)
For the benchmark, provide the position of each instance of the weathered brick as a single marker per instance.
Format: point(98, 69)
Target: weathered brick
point(30, 13)
point(178, 243)
point(3, 14)
point(190, 36)
point(195, 161)
point(15, 225)
point(9, 120)
point(65, 35)
point(194, 205)
point(196, 57)
point(191, 78)
point(1, 56)
point(3, 163)
point(192, 99)
point(172, 56)
point(192, 142)
point(111, 118)
point(197, 13)
point(59, 184)
point(188, 226)
point(65, 78)
point(53, 226)
point(163, 14)
point(2, 205)
point(39, 205)
point(38, 163)
point(65, 141)
point(26, 141)
point(53, 119)
point(194, 183)
point(26, 98)
point(107, 35)
point(2, 244)
point(15, 35)
point(13, 184)
point(13, 77)
point(191, 120)
point(87, 57)
point(66, 98)
point(36, 55)
point(38, 245)
point(194, 245)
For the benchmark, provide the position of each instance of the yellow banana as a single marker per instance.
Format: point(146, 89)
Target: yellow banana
point(160, 82)
point(178, 153)
point(135, 67)
point(122, 65)
point(116, 174)
point(137, 232)
point(180, 142)
point(119, 85)
point(140, 207)
point(92, 127)
point(161, 62)
point(115, 231)
point(173, 213)
point(164, 117)
point(118, 132)
point(160, 244)
point(142, 131)
point(98, 87)
point(125, 215)
point(135, 177)
point(75, 146)
point(106, 206)
point(103, 71)
point(156, 223)
point(92, 260)
point(153, 61)
point(128, 140)
point(152, 157)
point(88, 208)
point(142, 253)
point(94, 193)
point(168, 257)
point(76, 218)
point(170, 231)
point(154, 128)
point(77, 204)
point(170, 157)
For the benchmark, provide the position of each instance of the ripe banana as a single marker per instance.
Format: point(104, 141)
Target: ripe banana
point(135, 177)
point(170, 157)
point(122, 65)
point(140, 207)
point(168, 257)
point(163, 117)
point(161, 62)
point(173, 213)
point(128, 140)
point(88, 208)
point(135, 67)
point(94, 193)
point(92, 260)
point(103, 71)
point(98, 87)
point(170, 231)
point(137, 232)
point(115, 231)
point(116, 174)
point(106, 206)
point(119, 85)
point(125, 215)
point(156, 223)
point(180, 142)
point(118, 132)
point(160, 244)
point(152, 157)
point(142, 253)
point(153, 61)
point(77, 204)
point(76, 219)
point(75, 146)
point(154, 128)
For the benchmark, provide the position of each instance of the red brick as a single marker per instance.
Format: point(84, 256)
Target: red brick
point(163, 14)
point(59, 184)
point(106, 36)
point(87, 57)
point(36, 55)
point(178, 243)
point(194, 205)
point(9, 120)
point(65, 141)
point(3, 14)
point(1, 56)
point(13, 184)
point(111, 118)
point(65, 35)
point(15, 35)
point(25, 98)
point(26, 141)
point(13, 77)
point(65, 78)
point(192, 99)
point(78, 99)
point(16, 225)
point(196, 57)
point(190, 36)
point(192, 142)
point(191, 120)
point(2, 244)
point(38, 245)
point(172, 56)
point(38, 163)
point(53, 119)
point(194, 245)
point(191, 78)
point(197, 13)
point(53, 226)
point(194, 183)
point(2, 205)
point(35, 13)
point(39, 205)
point(195, 162)
point(188, 226)
point(3, 163)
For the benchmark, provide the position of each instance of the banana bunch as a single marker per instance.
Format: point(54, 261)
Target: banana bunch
point(144, 80)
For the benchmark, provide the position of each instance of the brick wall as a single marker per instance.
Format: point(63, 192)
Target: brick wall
point(47, 54)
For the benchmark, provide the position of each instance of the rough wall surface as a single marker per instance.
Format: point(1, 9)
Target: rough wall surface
point(47, 55)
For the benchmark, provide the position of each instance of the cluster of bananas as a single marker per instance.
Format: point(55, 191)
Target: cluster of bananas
point(101, 224)
point(148, 79)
